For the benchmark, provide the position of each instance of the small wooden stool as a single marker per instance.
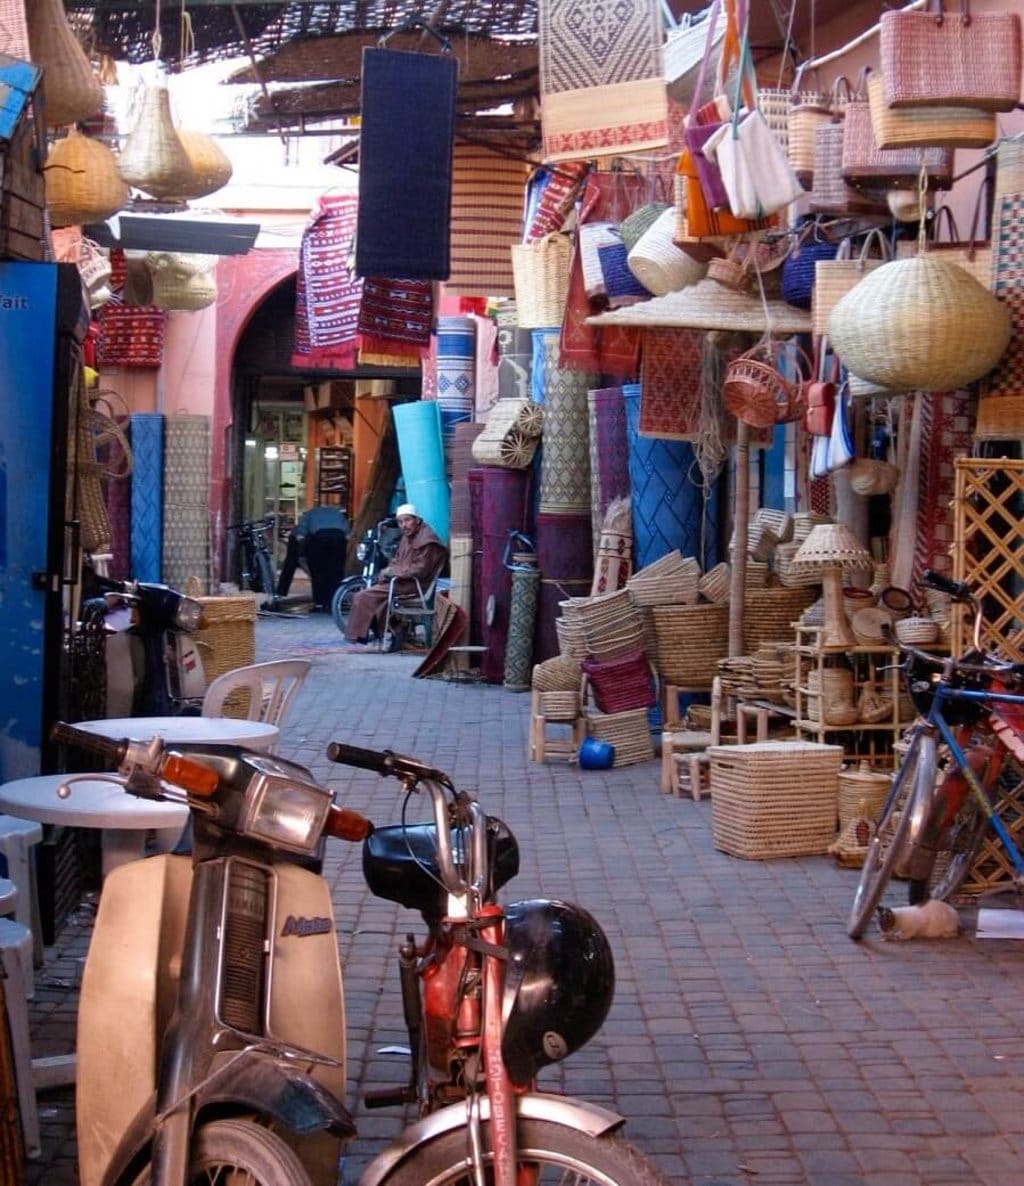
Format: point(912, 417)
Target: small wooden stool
point(683, 759)
point(554, 708)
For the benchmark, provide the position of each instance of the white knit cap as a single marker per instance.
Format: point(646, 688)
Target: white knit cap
point(406, 508)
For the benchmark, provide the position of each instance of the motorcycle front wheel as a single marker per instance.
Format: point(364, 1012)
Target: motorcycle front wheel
point(551, 1153)
point(343, 597)
point(239, 1153)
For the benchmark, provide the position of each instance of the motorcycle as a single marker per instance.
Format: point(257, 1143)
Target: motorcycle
point(375, 550)
point(153, 664)
point(211, 1024)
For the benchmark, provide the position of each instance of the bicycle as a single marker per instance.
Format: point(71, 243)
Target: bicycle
point(257, 563)
point(943, 796)
point(374, 551)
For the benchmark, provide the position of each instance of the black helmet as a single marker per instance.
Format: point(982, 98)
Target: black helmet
point(558, 987)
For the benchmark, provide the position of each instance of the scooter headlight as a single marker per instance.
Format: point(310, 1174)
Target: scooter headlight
point(188, 614)
point(361, 550)
point(285, 813)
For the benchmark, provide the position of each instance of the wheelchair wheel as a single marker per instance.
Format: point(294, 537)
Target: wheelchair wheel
point(343, 597)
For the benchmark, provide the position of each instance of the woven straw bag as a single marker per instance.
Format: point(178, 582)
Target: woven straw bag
point(540, 273)
point(974, 256)
point(182, 281)
point(82, 181)
point(659, 265)
point(833, 278)
point(868, 166)
point(832, 193)
point(808, 111)
point(755, 391)
point(910, 127)
point(153, 158)
point(958, 59)
point(920, 324)
point(73, 92)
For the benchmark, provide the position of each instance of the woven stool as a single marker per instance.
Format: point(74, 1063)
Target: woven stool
point(17, 839)
point(554, 708)
point(683, 760)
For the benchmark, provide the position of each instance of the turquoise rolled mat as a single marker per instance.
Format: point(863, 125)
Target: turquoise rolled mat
point(421, 451)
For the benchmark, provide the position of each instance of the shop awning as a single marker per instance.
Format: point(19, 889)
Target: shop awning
point(174, 232)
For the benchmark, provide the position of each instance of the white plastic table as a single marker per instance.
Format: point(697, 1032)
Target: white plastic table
point(123, 818)
point(215, 730)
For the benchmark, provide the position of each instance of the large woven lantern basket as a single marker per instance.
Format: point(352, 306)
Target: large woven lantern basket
point(82, 181)
point(211, 168)
point(919, 323)
point(153, 157)
point(72, 89)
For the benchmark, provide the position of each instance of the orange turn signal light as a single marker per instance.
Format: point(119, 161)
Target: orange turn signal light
point(191, 776)
point(344, 824)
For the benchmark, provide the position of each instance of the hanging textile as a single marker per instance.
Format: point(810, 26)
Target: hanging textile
point(130, 336)
point(396, 318)
point(487, 215)
point(671, 372)
point(406, 137)
point(186, 498)
point(602, 78)
point(326, 292)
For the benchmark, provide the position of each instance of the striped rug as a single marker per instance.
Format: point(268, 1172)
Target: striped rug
point(488, 192)
point(186, 512)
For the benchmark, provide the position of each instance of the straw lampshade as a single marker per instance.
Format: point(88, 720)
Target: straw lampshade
point(829, 549)
point(153, 157)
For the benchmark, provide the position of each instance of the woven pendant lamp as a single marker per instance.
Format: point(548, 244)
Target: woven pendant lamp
point(71, 89)
point(919, 324)
point(828, 549)
point(209, 163)
point(153, 157)
point(82, 181)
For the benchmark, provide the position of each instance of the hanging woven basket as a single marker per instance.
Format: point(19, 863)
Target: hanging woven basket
point(211, 169)
point(153, 157)
point(920, 323)
point(71, 89)
point(82, 181)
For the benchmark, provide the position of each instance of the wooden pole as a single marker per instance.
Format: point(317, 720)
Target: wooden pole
point(741, 522)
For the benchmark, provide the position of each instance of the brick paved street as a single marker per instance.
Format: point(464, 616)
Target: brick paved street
point(750, 1040)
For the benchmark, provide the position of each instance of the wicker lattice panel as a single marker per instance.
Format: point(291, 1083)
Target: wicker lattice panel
point(988, 550)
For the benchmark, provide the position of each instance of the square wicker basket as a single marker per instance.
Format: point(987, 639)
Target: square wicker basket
point(227, 639)
point(774, 798)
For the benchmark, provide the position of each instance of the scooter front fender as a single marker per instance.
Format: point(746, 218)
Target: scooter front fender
point(284, 1095)
point(579, 1115)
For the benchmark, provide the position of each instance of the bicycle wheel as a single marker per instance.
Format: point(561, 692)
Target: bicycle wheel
point(956, 857)
point(914, 779)
point(263, 577)
point(343, 597)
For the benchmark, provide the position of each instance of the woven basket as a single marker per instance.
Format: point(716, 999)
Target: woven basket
point(629, 732)
point(659, 265)
point(948, 127)
point(780, 523)
point(560, 706)
point(916, 631)
point(559, 674)
point(73, 92)
point(730, 273)
point(82, 181)
point(152, 157)
point(756, 392)
point(691, 640)
point(856, 599)
point(898, 602)
point(805, 117)
point(182, 281)
point(633, 227)
point(540, 273)
point(769, 614)
point(227, 638)
point(834, 278)
point(789, 576)
point(714, 585)
point(869, 625)
point(774, 799)
point(922, 324)
point(861, 792)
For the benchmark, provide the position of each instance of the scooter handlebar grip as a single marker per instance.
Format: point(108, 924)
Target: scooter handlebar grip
point(106, 747)
point(958, 590)
point(362, 759)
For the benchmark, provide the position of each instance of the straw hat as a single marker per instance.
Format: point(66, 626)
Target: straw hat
point(707, 305)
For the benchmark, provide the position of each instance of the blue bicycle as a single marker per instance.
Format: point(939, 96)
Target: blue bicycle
point(943, 796)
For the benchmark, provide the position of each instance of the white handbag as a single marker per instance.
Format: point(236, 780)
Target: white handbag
point(756, 172)
point(841, 450)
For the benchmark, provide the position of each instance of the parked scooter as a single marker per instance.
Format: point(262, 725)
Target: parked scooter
point(375, 551)
point(153, 663)
point(211, 1025)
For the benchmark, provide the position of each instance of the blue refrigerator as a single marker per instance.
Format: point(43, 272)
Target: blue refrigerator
point(43, 320)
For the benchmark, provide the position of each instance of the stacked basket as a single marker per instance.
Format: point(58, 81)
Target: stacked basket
point(611, 626)
point(629, 732)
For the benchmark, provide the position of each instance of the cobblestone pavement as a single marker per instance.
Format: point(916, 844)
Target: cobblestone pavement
point(750, 1040)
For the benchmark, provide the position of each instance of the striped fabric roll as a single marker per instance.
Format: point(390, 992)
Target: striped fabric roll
point(488, 191)
point(456, 375)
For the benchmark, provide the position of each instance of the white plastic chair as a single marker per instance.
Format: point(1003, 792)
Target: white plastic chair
point(261, 692)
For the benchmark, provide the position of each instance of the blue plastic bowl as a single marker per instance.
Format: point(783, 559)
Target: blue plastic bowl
point(596, 755)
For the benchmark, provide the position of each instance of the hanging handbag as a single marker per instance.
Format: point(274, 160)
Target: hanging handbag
point(921, 127)
point(955, 59)
point(820, 395)
point(972, 255)
point(833, 279)
point(866, 165)
point(798, 268)
point(841, 451)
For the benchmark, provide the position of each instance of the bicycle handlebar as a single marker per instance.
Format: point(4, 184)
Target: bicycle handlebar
point(106, 747)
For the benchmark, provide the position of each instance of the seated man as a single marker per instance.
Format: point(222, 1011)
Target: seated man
point(318, 541)
point(420, 556)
